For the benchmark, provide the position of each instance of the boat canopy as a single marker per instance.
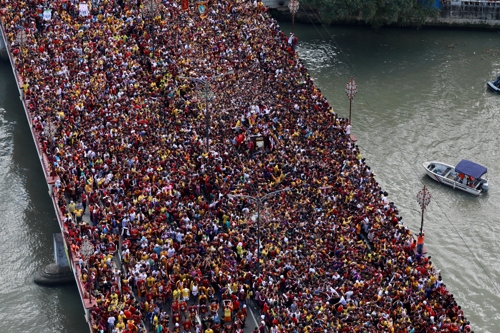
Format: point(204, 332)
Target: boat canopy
point(470, 168)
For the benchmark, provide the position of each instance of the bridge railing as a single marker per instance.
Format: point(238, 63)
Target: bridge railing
point(50, 177)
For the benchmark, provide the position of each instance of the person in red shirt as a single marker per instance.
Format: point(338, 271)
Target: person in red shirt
point(183, 307)
point(137, 317)
point(214, 307)
point(236, 305)
point(176, 318)
point(187, 325)
point(127, 314)
point(193, 310)
point(149, 296)
point(175, 306)
point(203, 308)
point(244, 311)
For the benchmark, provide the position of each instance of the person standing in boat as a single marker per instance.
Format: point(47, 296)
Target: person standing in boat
point(497, 82)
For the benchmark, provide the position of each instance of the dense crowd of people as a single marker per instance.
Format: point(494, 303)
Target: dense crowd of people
point(277, 207)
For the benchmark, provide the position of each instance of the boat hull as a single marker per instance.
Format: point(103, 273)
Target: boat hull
point(492, 87)
point(445, 174)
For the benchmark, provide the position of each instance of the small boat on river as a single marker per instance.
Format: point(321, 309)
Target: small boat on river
point(467, 176)
point(494, 85)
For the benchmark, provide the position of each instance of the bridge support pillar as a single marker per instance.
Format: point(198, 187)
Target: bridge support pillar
point(58, 272)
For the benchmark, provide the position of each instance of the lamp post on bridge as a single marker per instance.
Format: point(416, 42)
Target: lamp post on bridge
point(259, 200)
point(86, 250)
point(21, 34)
point(293, 5)
point(351, 89)
point(207, 92)
point(423, 198)
point(50, 132)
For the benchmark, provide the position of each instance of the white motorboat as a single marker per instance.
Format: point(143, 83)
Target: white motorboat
point(494, 85)
point(466, 175)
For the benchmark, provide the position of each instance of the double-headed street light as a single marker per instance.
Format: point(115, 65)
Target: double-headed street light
point(21, 34)
point(424, 198)
point(351, 89)
point(293, 5)
point(208, 95)
point(259, 200)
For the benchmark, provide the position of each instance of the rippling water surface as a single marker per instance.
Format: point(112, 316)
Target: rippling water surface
point(421, 96)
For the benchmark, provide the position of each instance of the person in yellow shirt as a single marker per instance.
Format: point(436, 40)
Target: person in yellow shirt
point(150, 280)
point(79, 215)
point(227, 314)
point(176, 294)
point(120, 325)
point(350, 306)
point(234, 287)
point(122, 317)
point(185, 294)
point(155, 321)
point(72, 208)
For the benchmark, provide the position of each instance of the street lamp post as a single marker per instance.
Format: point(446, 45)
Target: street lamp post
point(351, 89)
point(207, 93)
point(293, 5)
point(21, 34)
point(86, 250)
point(50, 133)
point(423, 198)
point(259, 201)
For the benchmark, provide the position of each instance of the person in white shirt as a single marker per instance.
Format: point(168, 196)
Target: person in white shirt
point(111, 323)
point(348, 129)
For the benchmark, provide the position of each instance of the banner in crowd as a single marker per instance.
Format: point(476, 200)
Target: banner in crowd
point(185, 4)
point(84, 9)
point(202, 8)
point(47, 15)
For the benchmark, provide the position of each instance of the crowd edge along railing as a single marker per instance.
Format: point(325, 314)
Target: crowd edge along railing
point(51, 180)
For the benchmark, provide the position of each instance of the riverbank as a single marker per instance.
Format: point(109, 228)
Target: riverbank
point(465, 17)
point(138, 157)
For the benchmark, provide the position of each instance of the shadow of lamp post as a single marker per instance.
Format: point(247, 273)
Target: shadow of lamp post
point(209, 95)
point(258, 200)
point(150, 9)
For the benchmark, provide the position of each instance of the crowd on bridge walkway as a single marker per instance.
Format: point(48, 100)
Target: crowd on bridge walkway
point(112, 95)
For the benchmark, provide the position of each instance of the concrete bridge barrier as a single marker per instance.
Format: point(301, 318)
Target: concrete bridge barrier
point(3, 50)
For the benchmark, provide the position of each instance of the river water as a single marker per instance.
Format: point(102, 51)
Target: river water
point(421, 96)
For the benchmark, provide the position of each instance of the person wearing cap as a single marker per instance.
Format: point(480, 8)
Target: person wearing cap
point(72, 208)
point(262, 327)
